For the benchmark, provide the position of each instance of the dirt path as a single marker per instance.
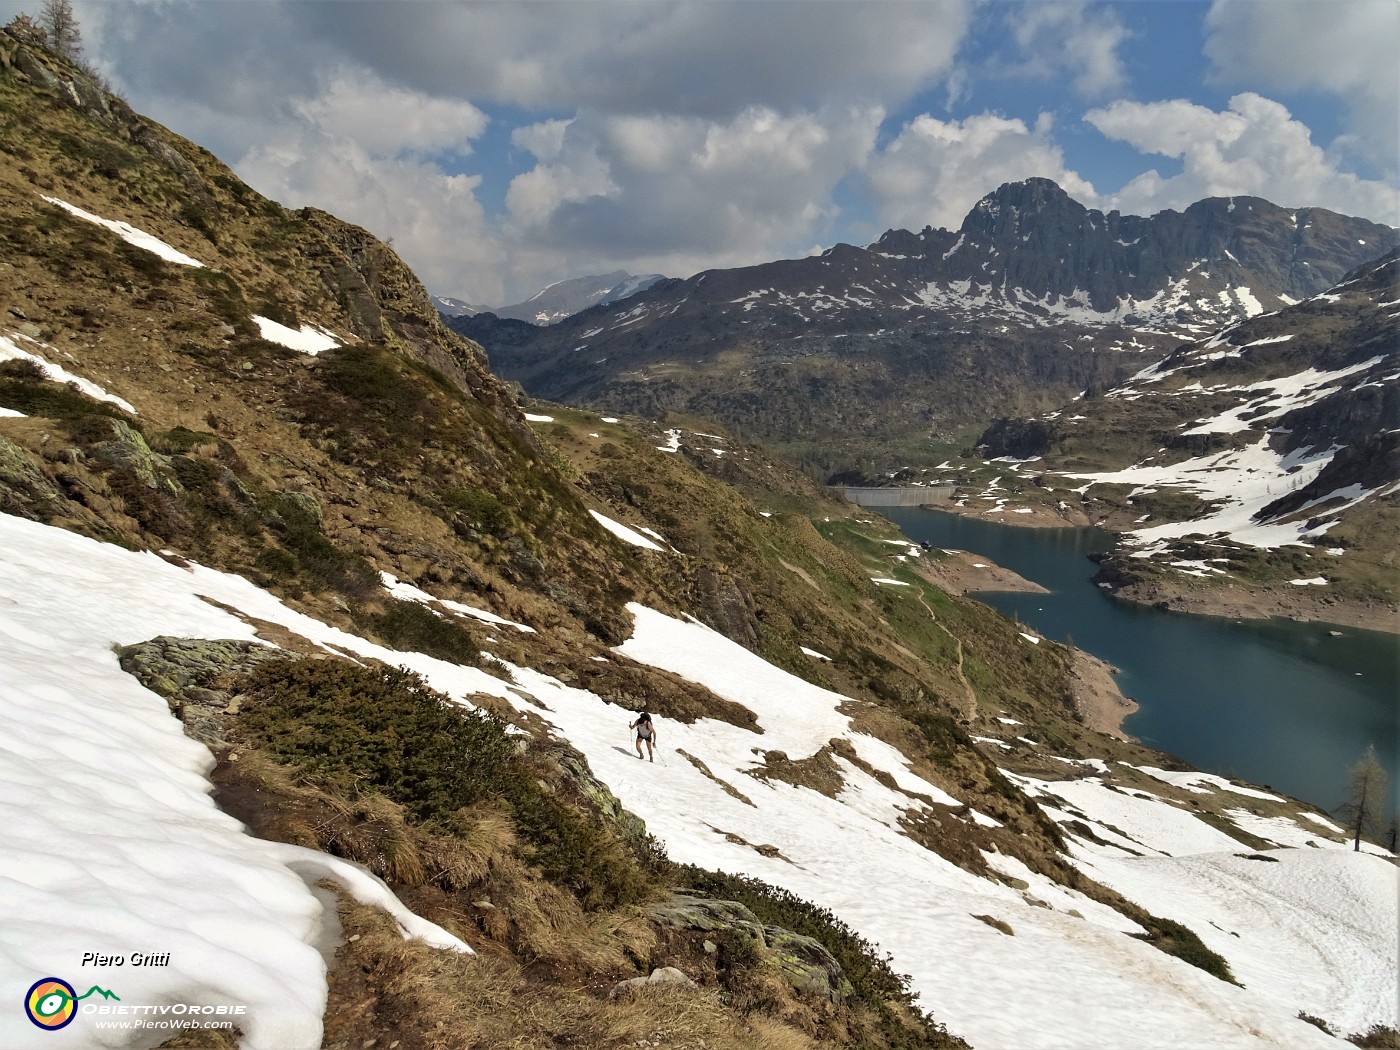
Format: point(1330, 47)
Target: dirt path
point(969, 694)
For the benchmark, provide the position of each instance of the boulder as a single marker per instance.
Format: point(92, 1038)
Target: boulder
point(661, 977)
point(806, 963)
point(129, 453)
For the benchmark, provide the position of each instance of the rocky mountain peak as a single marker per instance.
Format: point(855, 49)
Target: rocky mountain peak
point(1017, 209)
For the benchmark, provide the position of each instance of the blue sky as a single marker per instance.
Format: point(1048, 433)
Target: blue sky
point(507, 145)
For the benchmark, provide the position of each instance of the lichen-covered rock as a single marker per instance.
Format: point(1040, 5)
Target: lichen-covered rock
point(575, 769)
point(806, 963)
point(128, 452)
point(28, 63)
point(803, 960)
point(685, 912)
point(196, 676)
point(24, 488)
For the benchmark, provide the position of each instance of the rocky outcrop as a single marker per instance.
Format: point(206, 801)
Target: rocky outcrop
point(128, 452)
point(661, 977)
point(24, 488)
point(804, 961)
point(1018, 438)
point(197, 677)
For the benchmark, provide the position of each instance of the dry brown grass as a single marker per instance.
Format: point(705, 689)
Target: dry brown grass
point(427, 999)
point(728, 788)
point(818, 772)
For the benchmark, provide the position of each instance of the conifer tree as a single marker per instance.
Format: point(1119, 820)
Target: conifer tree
point(1365, 805)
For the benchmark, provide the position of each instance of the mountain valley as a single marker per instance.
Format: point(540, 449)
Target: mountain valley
point(892, 354)
point(322, 646)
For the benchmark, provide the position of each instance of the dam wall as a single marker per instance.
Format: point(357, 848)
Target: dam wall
point(898, 495)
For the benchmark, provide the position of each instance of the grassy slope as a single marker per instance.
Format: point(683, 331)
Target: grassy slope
point(401, 453)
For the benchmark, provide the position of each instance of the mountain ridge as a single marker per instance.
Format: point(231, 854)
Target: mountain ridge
point(912, 342)
point(562, 299)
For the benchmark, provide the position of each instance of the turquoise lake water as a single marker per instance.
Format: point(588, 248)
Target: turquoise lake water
point(1276, 702)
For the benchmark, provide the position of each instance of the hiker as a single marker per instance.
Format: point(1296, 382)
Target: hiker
point(645, 731)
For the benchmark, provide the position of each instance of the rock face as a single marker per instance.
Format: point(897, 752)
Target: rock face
point(804, 961)
point(196, 676)
point(1034, 299)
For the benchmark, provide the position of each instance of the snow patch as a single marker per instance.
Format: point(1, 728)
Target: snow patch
point(129, 233)
point(308, 339)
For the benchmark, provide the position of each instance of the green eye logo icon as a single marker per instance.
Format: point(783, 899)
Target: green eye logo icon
point(51, 1003)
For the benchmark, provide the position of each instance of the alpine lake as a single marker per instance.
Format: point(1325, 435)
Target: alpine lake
point(1282, 704)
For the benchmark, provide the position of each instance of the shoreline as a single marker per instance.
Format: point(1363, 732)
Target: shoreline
point(1097, 696)
point(963, 572)
point(1262, 603)
point(1230, 601)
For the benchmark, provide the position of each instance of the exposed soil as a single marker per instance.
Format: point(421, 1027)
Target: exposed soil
point(965, 573)
point(1097, 696)
point(1304, 604)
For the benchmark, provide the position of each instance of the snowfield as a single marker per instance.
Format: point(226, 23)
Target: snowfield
point(114, 841)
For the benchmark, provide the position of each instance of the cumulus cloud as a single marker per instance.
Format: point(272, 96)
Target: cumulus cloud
point(684, 192)
point(934, 171)
point(385, 119)
point(1344, 48)
point(700, 59)
point(668, 135)
point(1254, 148)
point(363, 150)
point(433, 218)
point(1073, 40)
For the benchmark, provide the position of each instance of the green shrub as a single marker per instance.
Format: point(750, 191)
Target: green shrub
point(870, 975)
point(1377, 1037)
point(317, 557)
point(359, 730)
point(276, 310)
point(24, 386)
point(364, 729)
point(413, 627)
point(181, 440)
point(1175, 939)
point(575, 852)
point(226, 298)
point(479, 509)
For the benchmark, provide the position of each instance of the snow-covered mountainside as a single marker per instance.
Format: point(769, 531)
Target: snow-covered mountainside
point(1032, 300)
point(450, 307)
point(1007, 959)
point(319, 659)
point(1280, 433)
point(555, 302)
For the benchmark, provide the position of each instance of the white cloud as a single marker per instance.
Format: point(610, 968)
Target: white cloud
point(545, 140)
point(1254, 148)
point(935, 171)
point(1343, 47)
point(1071, 39)
point(699, 59)
point(680, 193)
point(385, 119)
point(669, 136)
point(434, 219)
